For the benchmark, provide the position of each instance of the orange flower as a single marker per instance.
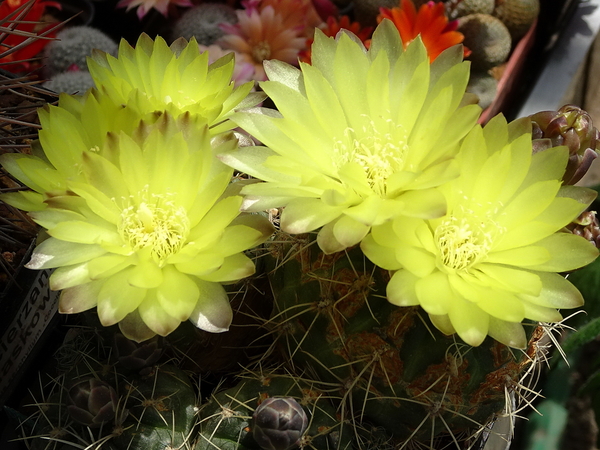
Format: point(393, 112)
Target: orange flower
point(24, 16)
point(430, 22)
point(332, 28)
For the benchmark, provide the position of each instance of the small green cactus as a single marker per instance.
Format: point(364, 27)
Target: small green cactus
point(202, 22)
point(72, 82)
point(488, 39)
point(517, 15)
point(459, 8)
point(73, 46)
point(162, 411)
point(484, 85)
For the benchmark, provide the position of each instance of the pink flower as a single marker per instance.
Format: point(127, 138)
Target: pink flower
point(144, 6)
point(296, 14)
point(261, 34)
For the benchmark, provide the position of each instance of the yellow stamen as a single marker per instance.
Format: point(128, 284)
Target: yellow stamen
point(379, 154)
point(156, 223)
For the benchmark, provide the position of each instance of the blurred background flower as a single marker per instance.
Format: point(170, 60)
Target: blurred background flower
point(144, 6)
point(429, 22)
point(27, 33)
point(260, 35)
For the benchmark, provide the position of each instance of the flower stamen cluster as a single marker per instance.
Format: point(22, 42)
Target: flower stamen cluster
point(460, 244)
point(159, 225)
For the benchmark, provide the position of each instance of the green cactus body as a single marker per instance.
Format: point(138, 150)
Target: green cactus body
point(161, 412)
point(226, 419)
point(488, 39)
point(391, 366)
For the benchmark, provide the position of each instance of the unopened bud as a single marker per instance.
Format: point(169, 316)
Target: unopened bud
point(572, 127)
point(278, 423)
point(587, 226)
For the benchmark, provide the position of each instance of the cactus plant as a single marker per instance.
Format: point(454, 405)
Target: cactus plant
point(71, 82)
point(392, 368)
point(484, 85)
point(517, 15)
point(488, 39)
point(90, 401)
point(354, 370)
point(459, 8)
point(73, 46)
point(202, 22)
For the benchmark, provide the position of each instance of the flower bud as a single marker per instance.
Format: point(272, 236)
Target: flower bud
point(278, 423)
point(134, 356)
point(572, 127)
point(587, 226)
point(92, 402)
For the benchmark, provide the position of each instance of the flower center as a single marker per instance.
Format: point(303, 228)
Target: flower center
point(380, 154)
point(157, 224)
point(261, 51)
point(461, 245)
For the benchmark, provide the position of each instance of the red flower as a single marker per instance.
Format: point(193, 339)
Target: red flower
point(430, 22)
point(24, 17)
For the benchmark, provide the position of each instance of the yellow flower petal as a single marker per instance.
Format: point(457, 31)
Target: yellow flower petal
point(509, 333)
point(469, 321)
point(434, 293)
point(348, 231)
point(212, 312)
point(234, 268)
point(155, 316)
point(177, 294)
point(53, 252)
point(306, 214)
point(68, 276)
point(557, 292)
point(502, 305)
point(443, 324)
point(401, 289)
point(146, 275)
point(568, 252)
point(117, 298)
point(327, 241)
point(77, 299)
point(134, 328)
point(383, 257)
point(512, 279)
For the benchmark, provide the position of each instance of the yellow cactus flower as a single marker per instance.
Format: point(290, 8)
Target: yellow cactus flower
point(143, 226)
point(360, 136)
point(493, 260)
point(178, 78)
point(77, 125)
